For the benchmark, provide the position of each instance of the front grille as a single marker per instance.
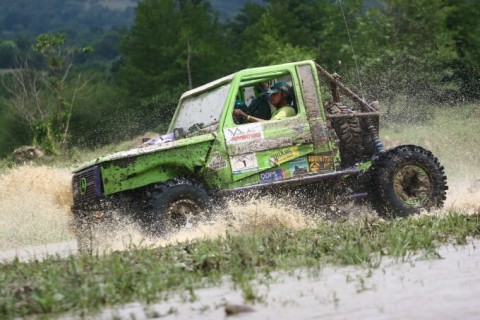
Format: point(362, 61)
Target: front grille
point(87, 186)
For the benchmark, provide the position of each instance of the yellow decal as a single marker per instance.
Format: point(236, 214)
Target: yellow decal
point(319, 163)
point(284, 156)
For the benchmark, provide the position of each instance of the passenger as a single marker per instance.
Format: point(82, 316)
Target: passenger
point(281, 97)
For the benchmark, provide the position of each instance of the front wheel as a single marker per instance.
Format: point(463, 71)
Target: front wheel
point(406, 180)
point(176, 204)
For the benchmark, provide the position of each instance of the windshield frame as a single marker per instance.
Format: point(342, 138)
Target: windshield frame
point(198, 92)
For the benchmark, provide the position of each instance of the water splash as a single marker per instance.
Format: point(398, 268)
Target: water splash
point(250, 217)
point(35, 209)
point(34, 206)
point(464, 196)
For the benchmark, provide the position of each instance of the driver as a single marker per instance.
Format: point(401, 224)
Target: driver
point(281, 97)
point(258, 108)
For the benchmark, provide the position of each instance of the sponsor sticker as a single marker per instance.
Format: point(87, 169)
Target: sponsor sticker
point(284, 155)
point(244, 163)
point(218, 162)
point(298, 167)
point(319, 163)
point(271, 176)
point(245, 133)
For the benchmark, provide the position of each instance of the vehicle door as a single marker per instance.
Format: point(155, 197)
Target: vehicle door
point(273, 150)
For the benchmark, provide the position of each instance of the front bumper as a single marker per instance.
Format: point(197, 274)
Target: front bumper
point(87, 189)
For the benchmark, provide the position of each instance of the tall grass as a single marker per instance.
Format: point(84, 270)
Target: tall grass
point(452, 134)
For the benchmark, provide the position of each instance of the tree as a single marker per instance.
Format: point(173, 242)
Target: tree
point(172, 46)
point(275, 47)
point(45, 98)
point(406, 50)
point(8, 52)
point(289, 30)
point(464, 24)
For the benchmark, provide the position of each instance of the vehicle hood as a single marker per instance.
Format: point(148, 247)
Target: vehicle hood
point(159, 145)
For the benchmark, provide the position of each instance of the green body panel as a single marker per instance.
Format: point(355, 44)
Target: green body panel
point(143, 166)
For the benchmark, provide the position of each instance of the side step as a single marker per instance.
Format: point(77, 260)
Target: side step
point(295, 181)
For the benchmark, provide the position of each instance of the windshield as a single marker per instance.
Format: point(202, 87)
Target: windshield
point(201, 111)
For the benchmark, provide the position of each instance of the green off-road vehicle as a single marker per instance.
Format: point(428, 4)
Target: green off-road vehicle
point(208, 153)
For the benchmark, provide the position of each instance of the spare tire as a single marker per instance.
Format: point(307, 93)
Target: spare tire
point(406, 180)
point(349, 132)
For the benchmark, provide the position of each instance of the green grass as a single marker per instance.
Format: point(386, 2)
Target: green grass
point(85, 284)
point(453, 135)
point(75, 158)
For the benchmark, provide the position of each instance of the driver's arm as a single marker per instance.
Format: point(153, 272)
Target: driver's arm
point(244, 115)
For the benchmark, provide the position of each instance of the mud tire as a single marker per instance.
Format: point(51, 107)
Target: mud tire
point(406, 180)
point(175, 205)
point(369, 148)
point(349, 132)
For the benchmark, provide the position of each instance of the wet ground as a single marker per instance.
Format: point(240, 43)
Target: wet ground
point(39, 252)
point(446, 287)
point(34, 217)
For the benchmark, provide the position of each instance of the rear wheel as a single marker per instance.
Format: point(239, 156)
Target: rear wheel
point(176, 204)
point(406, 180)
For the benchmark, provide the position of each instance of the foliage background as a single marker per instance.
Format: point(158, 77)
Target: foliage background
point(146, 53)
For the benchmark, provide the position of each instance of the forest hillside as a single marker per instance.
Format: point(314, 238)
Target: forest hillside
point(101, 71)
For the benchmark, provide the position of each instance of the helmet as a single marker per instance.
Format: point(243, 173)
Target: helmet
point(280, 86)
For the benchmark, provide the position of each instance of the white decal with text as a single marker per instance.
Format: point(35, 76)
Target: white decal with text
point(244, 133)
point(244, 163)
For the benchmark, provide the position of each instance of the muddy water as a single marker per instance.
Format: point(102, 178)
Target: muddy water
point(34, 206)
point(35, 202)
point(34, 211)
